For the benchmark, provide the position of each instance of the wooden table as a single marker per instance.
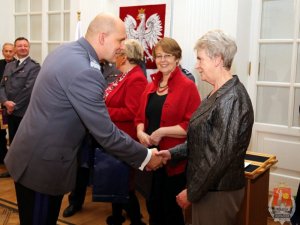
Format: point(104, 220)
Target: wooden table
point(254, 210)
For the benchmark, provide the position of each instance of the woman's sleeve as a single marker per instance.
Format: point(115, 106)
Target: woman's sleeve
point(193, 103)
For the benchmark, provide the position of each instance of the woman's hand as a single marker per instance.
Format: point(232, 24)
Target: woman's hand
point(156, 136)
point(165, 154)
point(144, 138)
point(182, 200)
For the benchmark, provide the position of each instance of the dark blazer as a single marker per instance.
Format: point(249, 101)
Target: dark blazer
point(2, 67)
point(67, 100)
point(17, 84)
point(218, 137)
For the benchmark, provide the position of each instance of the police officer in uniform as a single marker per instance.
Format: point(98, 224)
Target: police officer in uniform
point(16, 85)
point(8, 52)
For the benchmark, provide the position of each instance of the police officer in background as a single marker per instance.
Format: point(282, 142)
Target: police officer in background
point(16, 86)
point(8, 52)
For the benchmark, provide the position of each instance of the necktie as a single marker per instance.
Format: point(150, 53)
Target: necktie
point(102, 67)
point(18, 62)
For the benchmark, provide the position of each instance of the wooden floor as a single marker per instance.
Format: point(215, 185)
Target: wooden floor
point(92, 213)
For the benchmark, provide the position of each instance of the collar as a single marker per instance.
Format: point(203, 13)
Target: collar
point(22, 60)
point(230, 83)
point(94, 61)
point(156, 77)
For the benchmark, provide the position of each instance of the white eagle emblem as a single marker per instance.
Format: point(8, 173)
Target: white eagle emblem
point(147, 33)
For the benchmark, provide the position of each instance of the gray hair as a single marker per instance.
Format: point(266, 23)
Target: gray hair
point(6, 44)
point(134, 51)
point(217, 43)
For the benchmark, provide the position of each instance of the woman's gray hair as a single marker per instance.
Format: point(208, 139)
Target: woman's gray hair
point(217, 43)
point(134, 51)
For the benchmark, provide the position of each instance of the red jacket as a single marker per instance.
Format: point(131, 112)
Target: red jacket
point(182, 100)
point(123, 101)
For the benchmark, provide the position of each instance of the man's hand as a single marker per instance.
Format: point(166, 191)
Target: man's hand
point(165, 154)
point(182, 200)
point(10, 106)
point(155, 161)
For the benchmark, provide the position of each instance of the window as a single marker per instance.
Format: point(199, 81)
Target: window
point(278, 81)
point(46, 24)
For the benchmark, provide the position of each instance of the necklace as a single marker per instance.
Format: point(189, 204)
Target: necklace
point(162, 89)
point(162, 86)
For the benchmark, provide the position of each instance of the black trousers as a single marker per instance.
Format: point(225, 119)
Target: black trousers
point(132, 208)
point(13, 124)
point(36, 208)
point(162, 206)
point(296, 217)
point(3, 143)
point(77, 196)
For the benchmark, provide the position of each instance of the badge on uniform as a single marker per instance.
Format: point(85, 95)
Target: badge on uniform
point(94, 64)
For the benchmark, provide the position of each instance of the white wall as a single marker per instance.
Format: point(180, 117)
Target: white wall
point(7, 22)
point(190, 19)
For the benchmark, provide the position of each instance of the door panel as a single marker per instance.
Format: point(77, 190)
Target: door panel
point(281, 13)
point(273, 66)
point(286, 148)
point(276, 81)
point(272, 105)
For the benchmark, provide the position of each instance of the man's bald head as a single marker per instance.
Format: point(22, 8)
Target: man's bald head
point(106, 34)
point(103, 22)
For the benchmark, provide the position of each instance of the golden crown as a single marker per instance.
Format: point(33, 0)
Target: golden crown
point(141, 10)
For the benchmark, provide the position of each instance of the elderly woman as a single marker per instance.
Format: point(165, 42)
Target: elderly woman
point(217, 139)
point(166, 107)
point(122, 101)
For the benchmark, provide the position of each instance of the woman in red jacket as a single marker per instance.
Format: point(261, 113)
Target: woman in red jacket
point(122, 101)
point(166, 107)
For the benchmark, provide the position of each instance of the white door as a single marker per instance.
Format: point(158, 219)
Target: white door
point(47, 24)
point(275, 79)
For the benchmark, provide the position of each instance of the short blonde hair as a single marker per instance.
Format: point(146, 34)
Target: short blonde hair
point(217, 43)
point(134, 51)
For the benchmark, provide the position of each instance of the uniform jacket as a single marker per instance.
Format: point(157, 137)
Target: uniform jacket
point(67, 100)
point(123, 102)
point(218, 137)
point(17, 84)
point(182, 100)
point(2, 67)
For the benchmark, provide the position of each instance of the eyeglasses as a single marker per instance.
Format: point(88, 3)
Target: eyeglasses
point(166, 57)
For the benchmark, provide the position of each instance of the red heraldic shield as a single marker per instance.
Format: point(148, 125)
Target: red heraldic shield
point(145, 23)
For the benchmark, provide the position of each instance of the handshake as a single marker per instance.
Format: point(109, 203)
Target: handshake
point(158, 159)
